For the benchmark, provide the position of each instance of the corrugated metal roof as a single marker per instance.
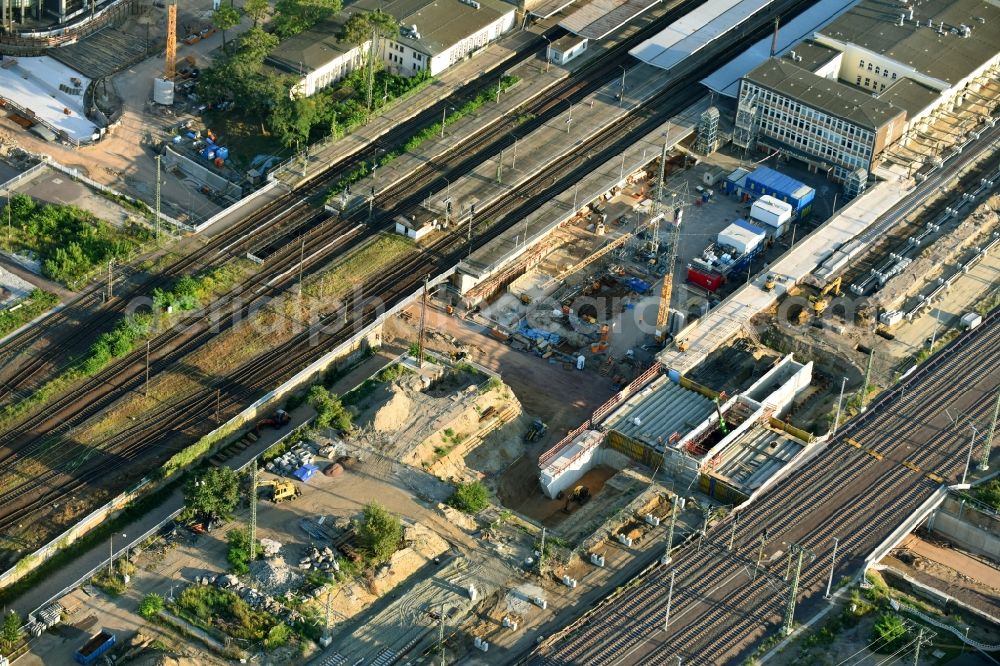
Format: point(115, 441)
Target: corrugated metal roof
point(756, 455)
point(726, 79)
point(695, 30)
point(779, 182)
point(600, 18)
point(662, 409)
point(550, 8)
point(752, 228)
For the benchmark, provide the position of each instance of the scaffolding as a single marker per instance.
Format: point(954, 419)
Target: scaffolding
point(855, 183)
point(708, 131)
point(747, 121)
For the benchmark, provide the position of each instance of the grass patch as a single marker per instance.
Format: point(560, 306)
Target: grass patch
point(356, 269)
point(217, 610)
point(26, 309)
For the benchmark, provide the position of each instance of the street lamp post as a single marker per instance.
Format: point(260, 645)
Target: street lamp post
point(621, 95)
point(833, 560)
point(968, 458)
point(548, 52)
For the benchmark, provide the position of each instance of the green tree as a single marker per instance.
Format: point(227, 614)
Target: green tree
point(150, 605)
point(292, 120)
point(330, 411)
point(888, 631)
point(256, 10)
point(379, 533)
point(214, 492)
point(470, 497)
point(255, 44)
point(294, 16)
point(374, 28)
point(11, 633)
point(224, 18)
point(21, 206)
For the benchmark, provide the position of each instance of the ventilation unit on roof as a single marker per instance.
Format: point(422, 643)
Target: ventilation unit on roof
point(471, 3)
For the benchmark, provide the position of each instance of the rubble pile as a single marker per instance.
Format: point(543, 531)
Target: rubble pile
point(254, 597)
point(323, 560)
point(275, 575)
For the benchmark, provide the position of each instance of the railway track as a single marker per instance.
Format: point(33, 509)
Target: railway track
point(188, 416)
point(849, 493)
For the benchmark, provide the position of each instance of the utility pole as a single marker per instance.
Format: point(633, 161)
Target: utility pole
point(218, 401)
point(472, 213)
point(793, 591)
point(302, 261)
point(665, 560)
point(423, 323)
point(252, 527)
point(760, 554)
point(920, 640)
point(840, 401)
point(670, 598)
point(968, 458)
point(441, 634)
point(500, 168)
point(833, 561)
point(111, 292)
point(156, 221)
point(864, 387)
point(541, 552)
point(147, 368)
point(326, 628)
point(984, 462)
point(704, 526)
point(732, 535)
point(499, 83)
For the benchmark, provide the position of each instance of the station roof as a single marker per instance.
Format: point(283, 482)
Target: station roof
point(599, 18)
point(311, 49)
point(828, 95)
point(550, 8)
point(695, 30)
point(658, 411)
point(946, 56)
point(726, 79)
point(33, 84)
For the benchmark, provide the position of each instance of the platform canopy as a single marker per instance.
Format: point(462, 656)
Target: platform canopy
point(726, 79)
point(599, 18)
point(695, 30)
point(550, 8)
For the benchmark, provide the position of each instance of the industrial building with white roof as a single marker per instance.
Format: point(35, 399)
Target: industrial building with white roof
point(433, 36)
point(838, 100)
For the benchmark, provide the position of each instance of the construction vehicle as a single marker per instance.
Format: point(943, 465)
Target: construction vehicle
point(820, 302)
point(535, 431)
point(769, 282)
point(580, 495)
point(282, 490)
point(682, 345)
point(280, 419)
point(601, 345)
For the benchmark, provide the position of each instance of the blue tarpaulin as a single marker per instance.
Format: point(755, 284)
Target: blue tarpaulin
point(538, 334)
point(305, 472)
point(637, 285)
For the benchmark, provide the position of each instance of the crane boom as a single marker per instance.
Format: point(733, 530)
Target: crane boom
point(170, 59)
point(663, 311)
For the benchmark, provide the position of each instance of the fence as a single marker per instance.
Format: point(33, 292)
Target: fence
point(599, 413)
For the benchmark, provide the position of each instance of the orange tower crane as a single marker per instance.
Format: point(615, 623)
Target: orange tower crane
point(170, 61)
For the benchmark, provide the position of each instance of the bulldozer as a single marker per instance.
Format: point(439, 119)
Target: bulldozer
point(281, 418)
point(282, 490)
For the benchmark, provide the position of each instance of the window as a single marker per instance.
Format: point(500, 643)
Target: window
point(878, 71)
point(868, 82)
point(861, 64)
point(885, 74)
point(859, 80)
point(894, 76)
point(882, 88)
point(869, 67)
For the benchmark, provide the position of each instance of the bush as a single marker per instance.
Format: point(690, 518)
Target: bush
point(10, 630)
point(277, 636)
point(33, 305)
point(379, 533)
point(989, 493)
point(888, 633)
point(239, 555)
point(151, 605)
point(330, 411)
point(470, 497)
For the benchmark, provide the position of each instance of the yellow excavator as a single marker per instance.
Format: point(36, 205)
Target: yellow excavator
point(820, 302)
point(282, 490)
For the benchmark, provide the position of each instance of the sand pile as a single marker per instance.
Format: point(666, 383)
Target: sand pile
point(394, 414)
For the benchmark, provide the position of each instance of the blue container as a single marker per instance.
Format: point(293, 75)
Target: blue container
point(177, 139)
point(704, 196)
point(222, 152)
point(209, 141)
point(674, 376)
point(191, 135)
point(768, 181)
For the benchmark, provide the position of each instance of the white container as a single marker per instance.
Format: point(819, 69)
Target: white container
point(971, 320)
point(773, 213)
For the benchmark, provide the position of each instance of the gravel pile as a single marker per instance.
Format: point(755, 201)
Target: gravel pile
point(274, 575)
